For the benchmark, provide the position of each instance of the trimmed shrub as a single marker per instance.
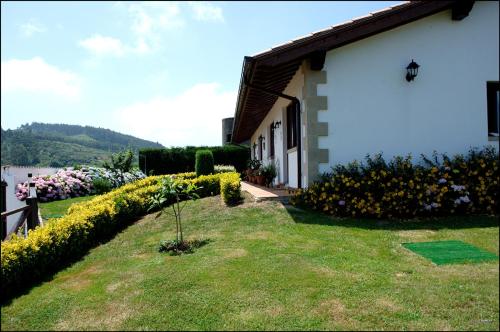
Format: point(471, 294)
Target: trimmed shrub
point(186, 176)
point(49, 248)
point(177, 160)
point(204, 162)
point(230, 188)
point(440, 186)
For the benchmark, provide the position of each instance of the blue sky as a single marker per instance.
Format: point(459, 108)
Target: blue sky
point(163, 71)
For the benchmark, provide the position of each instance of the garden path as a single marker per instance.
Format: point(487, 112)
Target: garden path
point(260, 193)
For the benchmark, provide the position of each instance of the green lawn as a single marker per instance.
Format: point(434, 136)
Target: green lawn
point(268, 267)
point(57, 209)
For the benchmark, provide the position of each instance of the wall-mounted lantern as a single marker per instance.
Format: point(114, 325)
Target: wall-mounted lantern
point(412, 70)
point(276, 125)
point(263, 142)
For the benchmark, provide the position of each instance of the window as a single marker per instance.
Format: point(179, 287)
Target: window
point(291, 126)
point(228, 138)
point(271, 141)
point(493, 95)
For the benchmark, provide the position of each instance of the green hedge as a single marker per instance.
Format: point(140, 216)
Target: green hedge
point(439, 186)
point(176, 160)
point(204, 164)
point(62, 241)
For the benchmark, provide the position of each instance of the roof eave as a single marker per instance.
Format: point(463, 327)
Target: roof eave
point(326, 40)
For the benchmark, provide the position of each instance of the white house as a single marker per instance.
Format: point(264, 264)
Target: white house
point(337, 94)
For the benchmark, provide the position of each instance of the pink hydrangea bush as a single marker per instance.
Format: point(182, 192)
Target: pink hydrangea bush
point(64, 184)
point(74, 183)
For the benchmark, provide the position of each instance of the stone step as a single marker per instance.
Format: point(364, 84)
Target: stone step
point(260, 193)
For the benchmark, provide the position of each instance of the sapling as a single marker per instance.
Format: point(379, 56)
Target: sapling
point(175, 193)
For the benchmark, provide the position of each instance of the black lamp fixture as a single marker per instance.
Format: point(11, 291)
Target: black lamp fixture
point(276, 125)
point(412, 70)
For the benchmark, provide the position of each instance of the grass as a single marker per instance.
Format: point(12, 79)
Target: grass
point(267, 267)
point(57, 209)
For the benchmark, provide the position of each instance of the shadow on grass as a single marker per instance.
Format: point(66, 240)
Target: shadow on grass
point(244, 198)
point(455, 222)
point(186, 247)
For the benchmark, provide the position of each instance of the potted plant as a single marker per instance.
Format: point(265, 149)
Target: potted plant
point(261, 179)
point(254, 166)
point(269, 173)
point(251, 176)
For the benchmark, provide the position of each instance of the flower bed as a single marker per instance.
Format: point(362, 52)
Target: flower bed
point(74, 183)
point(64, 184)
point(399, 189)
point(116, 179)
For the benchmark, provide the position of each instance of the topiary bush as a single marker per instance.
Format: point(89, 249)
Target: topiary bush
point(204, 162)
point(439, 186)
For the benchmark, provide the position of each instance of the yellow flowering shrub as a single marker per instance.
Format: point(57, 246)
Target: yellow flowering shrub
point(230, 187)
point(47, 249)
point(438, 186)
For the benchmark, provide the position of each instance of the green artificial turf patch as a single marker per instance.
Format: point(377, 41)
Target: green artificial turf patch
point(450, 252)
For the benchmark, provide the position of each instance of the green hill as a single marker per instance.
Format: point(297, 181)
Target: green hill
point(58, 145)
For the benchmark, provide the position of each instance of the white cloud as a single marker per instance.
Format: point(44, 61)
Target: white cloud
point(29, 28)
point(101, 45)
point(36, 75)
point(149, 20)
point(190, 118)
point(204, 11)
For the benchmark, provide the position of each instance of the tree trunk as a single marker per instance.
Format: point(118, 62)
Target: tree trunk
point(176, 223)
point(179, 216)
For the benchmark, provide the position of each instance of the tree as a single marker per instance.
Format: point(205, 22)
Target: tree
point(121, 161)
point(19, 155)
point(173, 192)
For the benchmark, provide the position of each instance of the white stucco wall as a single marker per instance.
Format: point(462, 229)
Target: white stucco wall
point(14, 175)
point(294, 88)
point(372, 108)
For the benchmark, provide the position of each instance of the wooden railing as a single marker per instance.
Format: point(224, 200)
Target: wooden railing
point(28, 218)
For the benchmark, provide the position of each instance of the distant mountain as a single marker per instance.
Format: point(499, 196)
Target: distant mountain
point(59, 145)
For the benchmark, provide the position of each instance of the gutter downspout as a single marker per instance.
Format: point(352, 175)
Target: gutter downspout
point(296, 102)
